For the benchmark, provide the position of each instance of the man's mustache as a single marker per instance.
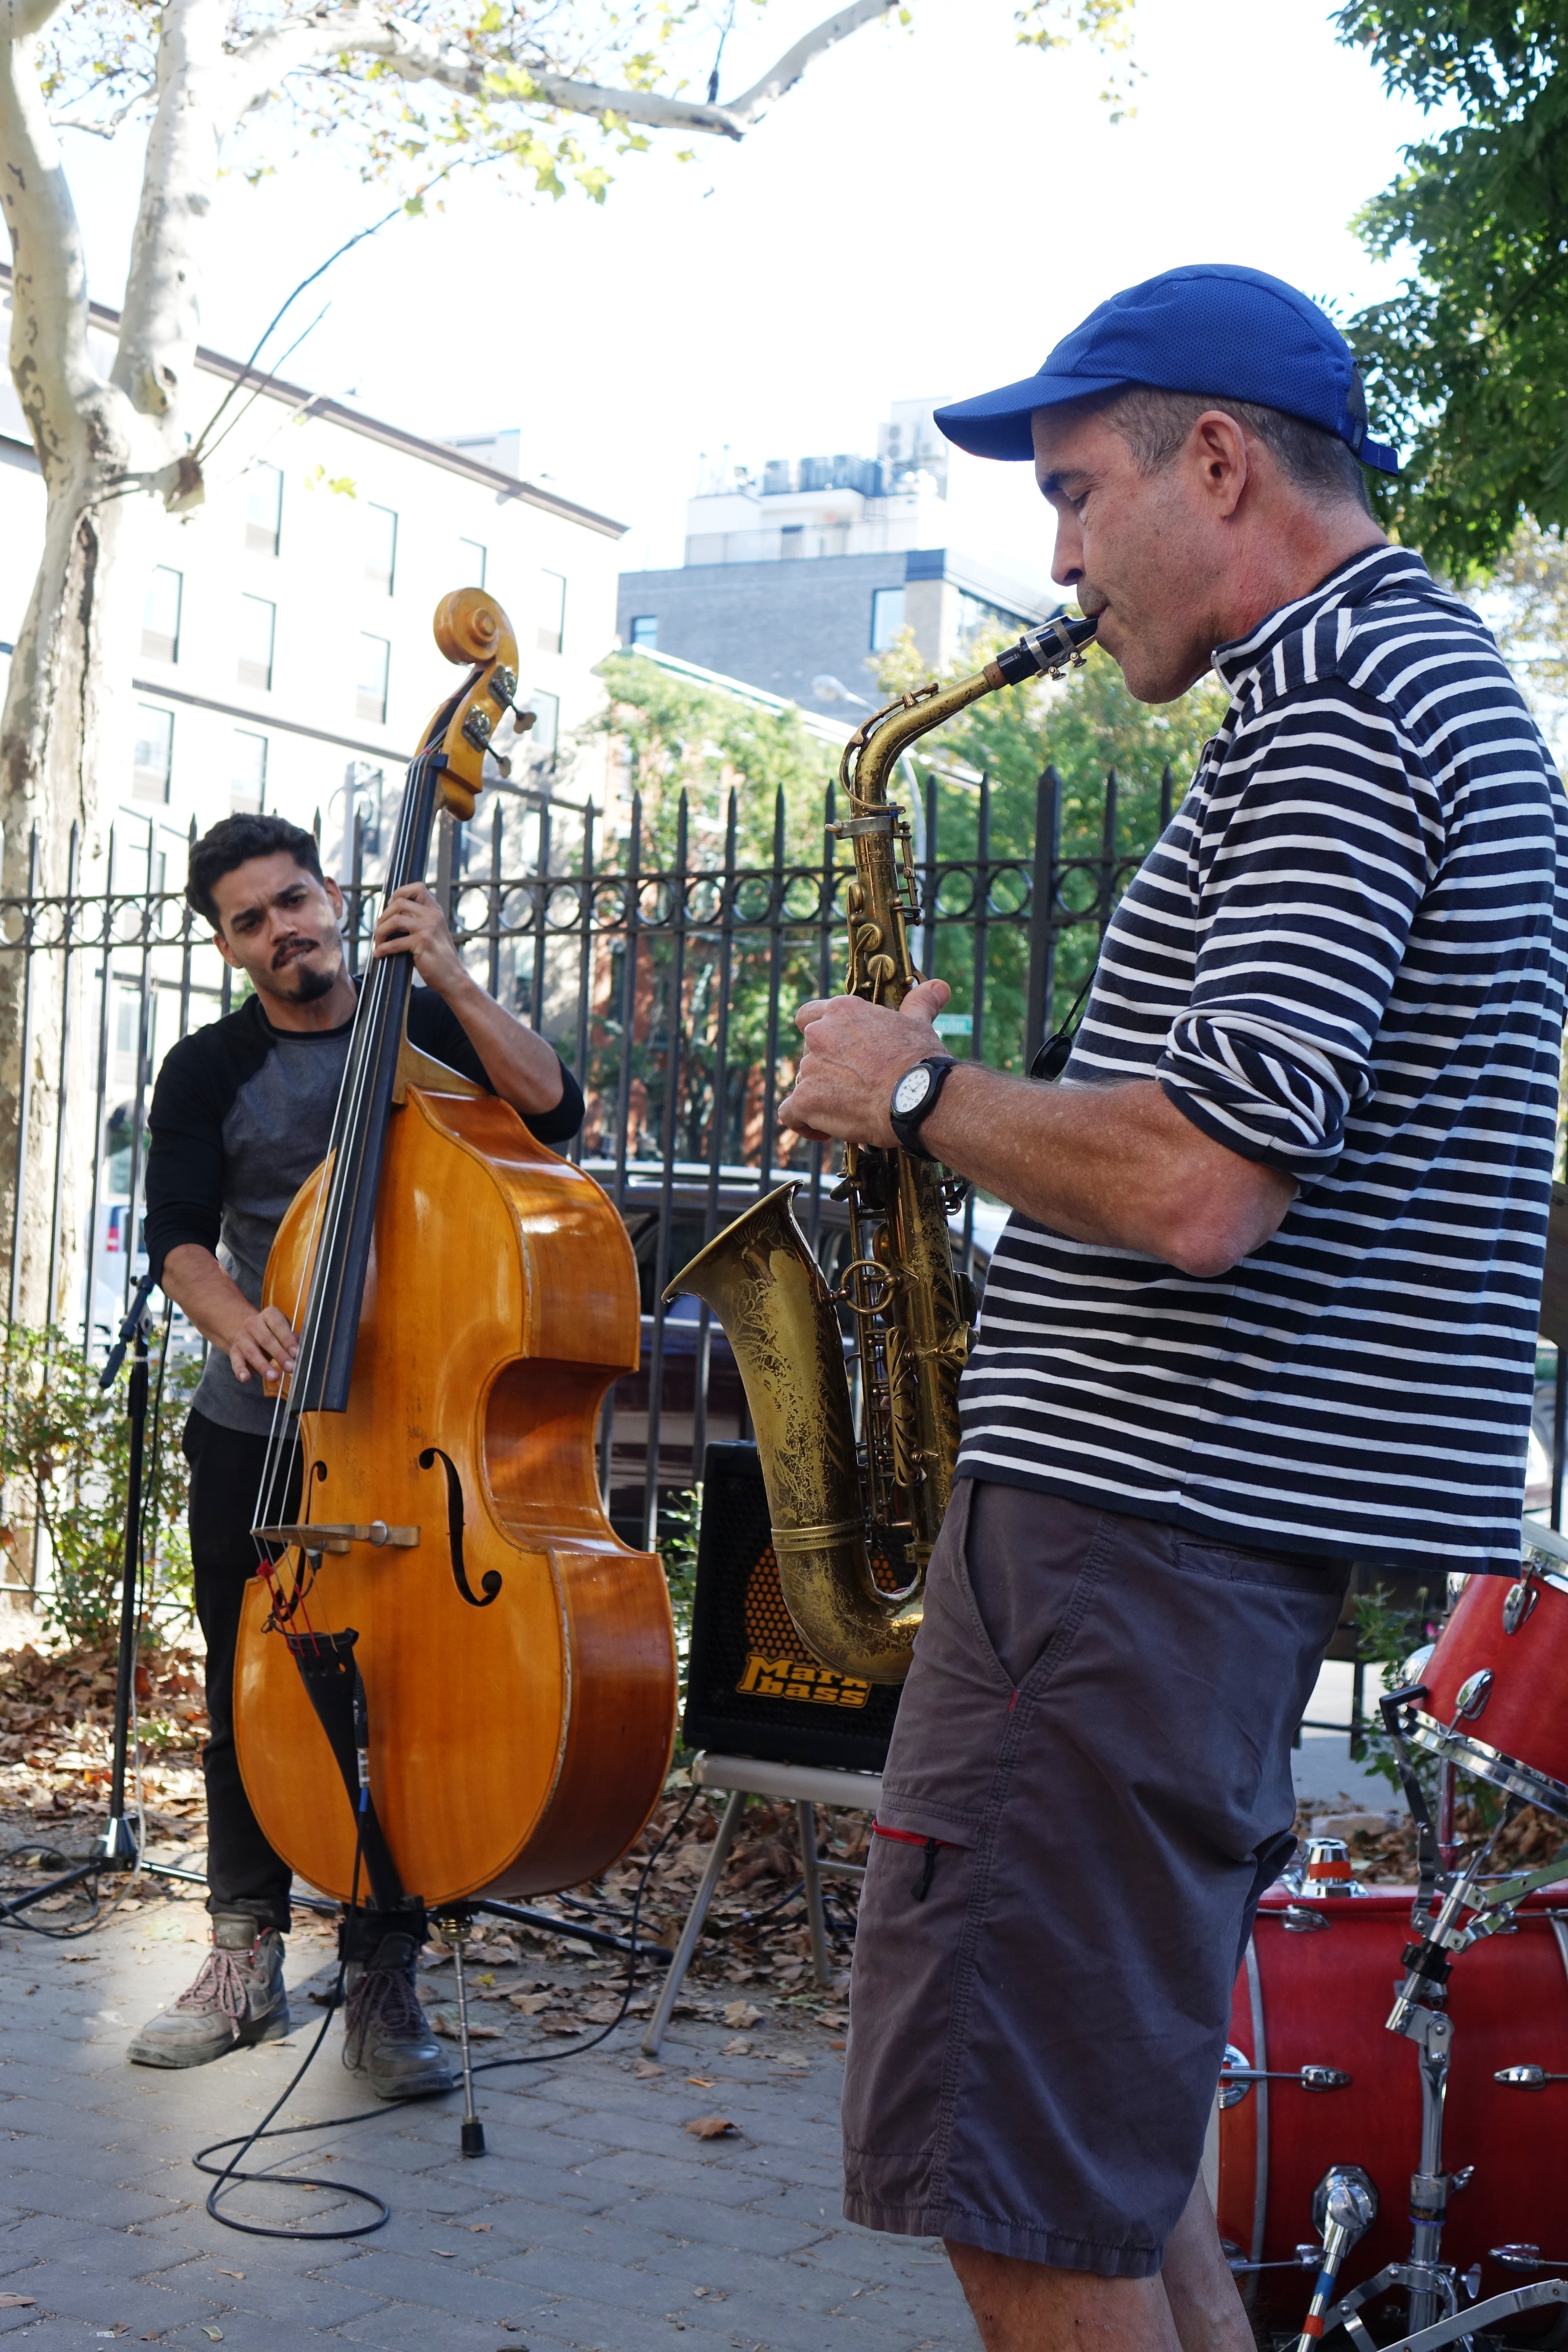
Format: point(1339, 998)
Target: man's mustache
point(292, 949)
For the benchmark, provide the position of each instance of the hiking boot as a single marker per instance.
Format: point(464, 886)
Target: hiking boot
point(237, 2000)
point(387, 2039)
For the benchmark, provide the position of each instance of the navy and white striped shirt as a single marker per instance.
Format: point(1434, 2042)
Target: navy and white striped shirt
point(1345, 959)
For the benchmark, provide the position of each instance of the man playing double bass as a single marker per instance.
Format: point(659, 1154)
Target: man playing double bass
point(241, 1115)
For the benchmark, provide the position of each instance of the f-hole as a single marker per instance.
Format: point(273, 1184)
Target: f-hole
point(490, 1583)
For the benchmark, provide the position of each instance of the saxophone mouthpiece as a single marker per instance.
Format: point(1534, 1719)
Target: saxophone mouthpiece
point(1046, 651)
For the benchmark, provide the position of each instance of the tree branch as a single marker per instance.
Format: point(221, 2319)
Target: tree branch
point(159, 321)
point(260, 64)
point(733, 120)
point(51, 364)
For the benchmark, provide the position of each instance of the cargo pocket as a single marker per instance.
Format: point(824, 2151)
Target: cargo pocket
point(913, 1908)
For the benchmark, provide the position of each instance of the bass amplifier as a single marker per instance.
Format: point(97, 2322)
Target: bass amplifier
point(753, 1688)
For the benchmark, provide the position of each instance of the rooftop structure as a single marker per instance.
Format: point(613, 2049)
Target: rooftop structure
point(799, 576)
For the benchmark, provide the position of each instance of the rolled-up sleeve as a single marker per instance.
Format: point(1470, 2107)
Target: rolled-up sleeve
point(1322, 833)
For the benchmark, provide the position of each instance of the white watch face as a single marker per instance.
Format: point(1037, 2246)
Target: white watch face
point(912, 1090)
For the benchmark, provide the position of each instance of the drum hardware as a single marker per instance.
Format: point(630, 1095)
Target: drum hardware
point(1473, 1694)
point(1344, 2206)
point(1527, 2258)
point(1521, 1600)
point(1324, 1870)
point(1236, 2077)
point(1300, 1921)
point(1527, 2078)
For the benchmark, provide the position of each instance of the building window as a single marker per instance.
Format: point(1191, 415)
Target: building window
point(545, 731)
point(247, 774)
point(645, 633)
point(887, 618)
point(380, 550)
point(472, 561)
point(263, 510)
point(257, 627)
point(161, 614)
point(375, 662)
point(154, 754)
point(551, 612)
point(974, 616)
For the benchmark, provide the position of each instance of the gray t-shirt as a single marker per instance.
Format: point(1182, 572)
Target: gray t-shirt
point(241, 1115)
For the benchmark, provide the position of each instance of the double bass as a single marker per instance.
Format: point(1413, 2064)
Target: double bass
point(453, 1677)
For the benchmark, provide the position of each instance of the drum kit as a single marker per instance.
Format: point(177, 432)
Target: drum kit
point(1325, 2121)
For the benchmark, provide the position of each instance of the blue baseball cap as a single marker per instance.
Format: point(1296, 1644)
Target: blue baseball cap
point(1212, 327)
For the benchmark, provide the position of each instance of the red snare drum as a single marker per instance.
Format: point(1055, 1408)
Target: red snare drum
point(1497, 1680)
point(1320, 1999)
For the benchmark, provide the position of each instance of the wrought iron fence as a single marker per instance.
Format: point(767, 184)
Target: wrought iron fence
point(666, 970)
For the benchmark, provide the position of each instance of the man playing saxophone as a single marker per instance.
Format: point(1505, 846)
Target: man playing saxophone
point(1265, 1304)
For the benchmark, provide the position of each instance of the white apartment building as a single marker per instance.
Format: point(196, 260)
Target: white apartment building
point(287, 661)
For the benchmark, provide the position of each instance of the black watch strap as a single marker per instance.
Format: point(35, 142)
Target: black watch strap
point(906, 1124)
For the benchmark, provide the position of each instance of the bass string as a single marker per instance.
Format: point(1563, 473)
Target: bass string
point(337, 1194)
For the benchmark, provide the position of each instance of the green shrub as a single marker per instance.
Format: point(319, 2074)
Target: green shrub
point(65, 1455)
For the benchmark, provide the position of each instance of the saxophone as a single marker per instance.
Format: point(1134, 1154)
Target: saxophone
point(838, 1504)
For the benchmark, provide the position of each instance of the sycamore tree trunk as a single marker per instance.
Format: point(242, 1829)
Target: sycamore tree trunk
point(64, 725)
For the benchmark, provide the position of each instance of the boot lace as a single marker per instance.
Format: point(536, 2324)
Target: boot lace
point(384, 2004)
point(221, 1983)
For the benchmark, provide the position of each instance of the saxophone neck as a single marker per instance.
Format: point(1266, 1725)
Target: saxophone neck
point(876, 746)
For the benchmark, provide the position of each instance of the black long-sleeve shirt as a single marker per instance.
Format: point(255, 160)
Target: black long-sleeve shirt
point(241, 1114)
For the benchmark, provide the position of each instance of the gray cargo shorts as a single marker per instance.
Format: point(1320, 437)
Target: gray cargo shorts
point(1088, 1790)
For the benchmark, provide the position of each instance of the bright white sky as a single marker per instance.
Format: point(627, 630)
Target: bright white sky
point(925, 214)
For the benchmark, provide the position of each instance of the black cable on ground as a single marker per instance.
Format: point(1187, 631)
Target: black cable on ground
point(384, 2107)
point(244, 2143)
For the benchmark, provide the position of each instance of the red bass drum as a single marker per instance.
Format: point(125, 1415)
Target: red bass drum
point(1318, 1998)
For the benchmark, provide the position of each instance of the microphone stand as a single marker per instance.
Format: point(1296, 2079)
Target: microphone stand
point(116, 1849)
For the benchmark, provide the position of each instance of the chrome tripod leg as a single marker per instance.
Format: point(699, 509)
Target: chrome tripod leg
point(473, 2131)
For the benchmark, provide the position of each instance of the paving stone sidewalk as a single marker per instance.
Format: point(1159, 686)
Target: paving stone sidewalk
point(594, 2221)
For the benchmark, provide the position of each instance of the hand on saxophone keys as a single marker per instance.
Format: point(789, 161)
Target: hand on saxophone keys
point(852, 1056)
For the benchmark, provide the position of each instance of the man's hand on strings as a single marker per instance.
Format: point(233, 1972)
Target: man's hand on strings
point(265, 1345)
point(413, 924)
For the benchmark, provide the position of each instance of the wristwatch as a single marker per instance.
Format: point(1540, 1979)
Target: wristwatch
point(914, 1099)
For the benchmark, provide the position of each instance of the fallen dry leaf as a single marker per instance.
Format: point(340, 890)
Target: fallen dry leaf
point(213, 2335)
point(740, 2048)
point(702, 2081)
point(238, 2274)
point(710, 2128)
point(646, 2068)
point(530, 2003)
point(739, 2013)
point(17, 2302)
point(445, 2022)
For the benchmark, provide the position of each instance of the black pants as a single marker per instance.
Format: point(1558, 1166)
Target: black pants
point(244, 1874)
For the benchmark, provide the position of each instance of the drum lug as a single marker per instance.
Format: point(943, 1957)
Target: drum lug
point(1473, 1693)
point(1527, 2078)
point(1520, 1604)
